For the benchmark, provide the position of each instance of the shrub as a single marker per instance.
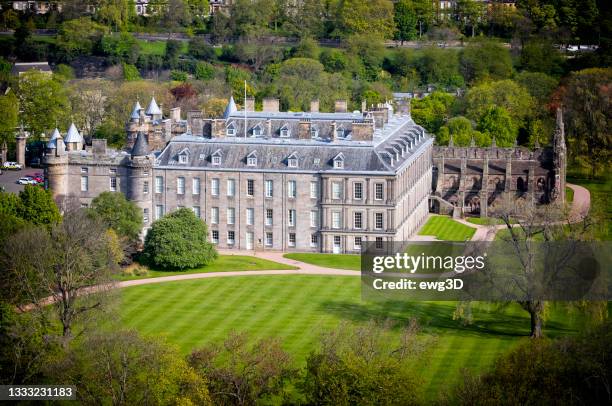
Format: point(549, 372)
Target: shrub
point(178, 75)
point(204, 71)
point(130, 73)
point(178, 241)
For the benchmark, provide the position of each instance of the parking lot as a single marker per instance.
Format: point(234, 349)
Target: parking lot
point(8, 179)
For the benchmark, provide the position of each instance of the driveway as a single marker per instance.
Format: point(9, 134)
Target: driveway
point(8, 178)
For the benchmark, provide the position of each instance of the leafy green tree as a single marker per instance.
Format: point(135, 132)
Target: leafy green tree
point(219, 28)
point(114, 135)
point(178, 241)
point(200, 49)
point(334, 60)
point(178, 76)
point(37, 206)
point(115, 13)
point(130, 72)
point(43, 103)
point(118, 213)
point(438, 66)
point(204, 71)
point(171, 55)
point(371, 52)
point(241, 372)
point(539, 85)
point(108, 366)
point(485, 59)
point(470, 13)
point(79, 36)
point(311, 18)
point(565, 371)
point(64, 71)
point(363, 365)
point(405, 21)
point(588, 113)
point(497, 123)
point(507, 94)
point(373, 18)
point(424, 11)
point(9, 111)
point(432, 111)
point(539, 55)
point(177, 15)
point(462, 132)
point(121, 47)
point(307, 48)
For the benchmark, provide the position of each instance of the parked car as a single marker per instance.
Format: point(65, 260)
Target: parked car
point(27, 181)
point(12, 165)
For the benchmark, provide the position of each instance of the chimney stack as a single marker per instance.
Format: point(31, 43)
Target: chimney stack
point(314, 106)
point(271, 105)
point(340, 106)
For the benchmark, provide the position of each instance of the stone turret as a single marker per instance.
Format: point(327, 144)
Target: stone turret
point(74, 140)
point(56, 166)
point(140, 175)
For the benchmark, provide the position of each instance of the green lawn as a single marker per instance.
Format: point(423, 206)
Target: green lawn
point(157, 47)
point(569, 195)
point(445, 228)
point(297, 308)
point(339, 261)
point(224, 263)
point(601, 195)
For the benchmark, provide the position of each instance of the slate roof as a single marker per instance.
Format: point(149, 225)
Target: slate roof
point(53, 141)
point(141, 147)
point(153, 108)
point(387, 154)
point(73, 135)
point(136, 111)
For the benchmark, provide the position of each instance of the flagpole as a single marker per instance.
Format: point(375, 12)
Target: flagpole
point(245, 111)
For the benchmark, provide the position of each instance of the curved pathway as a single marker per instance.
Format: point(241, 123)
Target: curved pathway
point(578, 211)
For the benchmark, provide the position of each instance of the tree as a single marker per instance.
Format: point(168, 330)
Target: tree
point(173, 50)
point(241, 373)
point(497, 123)
point(200, 49)
point(373, 18)
point(121, 367)
point(432, 111)
point(539, 55)
point(588, 113)
point(306, 48)
point(405, 21)
point(87, 99)
point(507, 94)
point(462, 132)
point(78, 37)
point(470, 13)
point(37, 206)
point(371, 52)
point(424, 13)
point(485, 59)
point(43, 103)
point(58, 266)
point(118, 213)
point(176, 15)
point(115, 13)
point(130, 72)
point(363, 365)
point(9, 111)
point(121, 48)
point(566, 371)
point(334, 60)
point(178, 241)
point(204, 71)
point(438, 66)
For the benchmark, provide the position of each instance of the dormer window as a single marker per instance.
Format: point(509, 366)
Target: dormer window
point(339, 161)
point(340, 133)
point(284, 131)
point(292, 161)
point(257, 131)
point(183, 158)
point(314, 133)
point(216, 157)
point(252, 159)
point(230, 131)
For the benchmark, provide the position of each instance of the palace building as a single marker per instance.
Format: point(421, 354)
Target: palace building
point(303, 181)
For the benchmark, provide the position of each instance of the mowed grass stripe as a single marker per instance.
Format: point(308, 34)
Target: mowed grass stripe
point(445, 228)
point(298, 308)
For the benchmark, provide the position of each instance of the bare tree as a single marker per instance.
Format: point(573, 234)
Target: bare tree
point(69, 266)
point(527, 223)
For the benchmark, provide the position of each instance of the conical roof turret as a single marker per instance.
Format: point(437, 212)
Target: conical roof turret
point(141, 146)
point(73, 135)
point(231, 108)
point(153, 109)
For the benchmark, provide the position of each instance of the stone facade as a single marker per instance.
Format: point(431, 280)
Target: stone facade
point(283, 187)
point(471, 179)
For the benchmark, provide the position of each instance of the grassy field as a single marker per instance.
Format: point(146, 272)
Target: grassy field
point(157, 47)
point(445, 228)
point(569, 195)
point(339, 261)
point(223, 264)
point(601, 195)
point(298, 308)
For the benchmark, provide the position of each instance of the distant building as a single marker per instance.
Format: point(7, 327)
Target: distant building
point(220, 6)
point(20, 68)
point(35, 6)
